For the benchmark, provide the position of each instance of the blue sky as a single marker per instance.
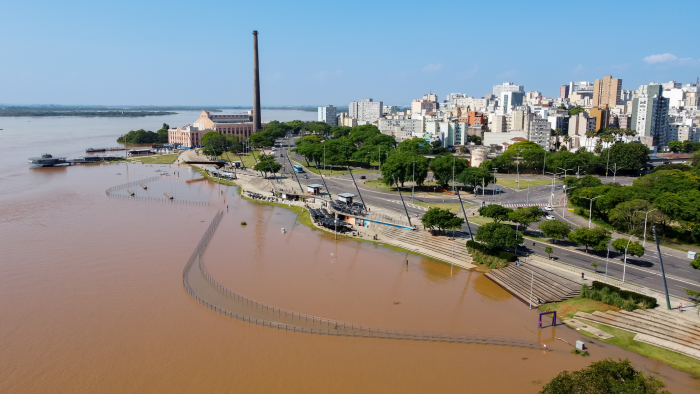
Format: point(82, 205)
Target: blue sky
point(318, 52)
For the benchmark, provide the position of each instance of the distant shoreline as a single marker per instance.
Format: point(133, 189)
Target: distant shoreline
point(112, 112)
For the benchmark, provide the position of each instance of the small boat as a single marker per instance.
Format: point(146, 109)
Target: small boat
point(46, 160)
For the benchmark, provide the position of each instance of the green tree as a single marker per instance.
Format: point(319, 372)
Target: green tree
point(400, 166)
point(437, 148)
point(415, 145)
point(340, 131)
point(262, 139)
point(555, 229)
point(310, 148)
point(443, 219)
point(595, 266)
point(475, 139)
point(473, 176)
point(695, 264)
point(359, 134)
point(576, 110)
point(597, 237)
point(604, 377)
point(549, 251)
point(265, 162)
point(498, 235)
point(525, 216)
point(675, 146)
point(628, 157)
point(214, 143)
point(444, 167)
point(496, 212)
point(629, 216)
point(634, 248)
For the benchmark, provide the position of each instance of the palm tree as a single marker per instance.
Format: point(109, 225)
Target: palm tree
point(589, 135)
point(566, 140)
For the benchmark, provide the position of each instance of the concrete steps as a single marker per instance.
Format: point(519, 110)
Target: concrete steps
point(426, 243)
point(653, 323)
point(547, 286)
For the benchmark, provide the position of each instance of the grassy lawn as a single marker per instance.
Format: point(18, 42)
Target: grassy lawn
point(248, 159)
point(480, 220)
point(511, 182)
point(625, 340)
point(377, 184)
point(162, 159)
point(568, 308)
point(452, 207)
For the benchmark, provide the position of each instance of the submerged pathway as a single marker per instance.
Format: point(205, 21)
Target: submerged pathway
point(205, 289)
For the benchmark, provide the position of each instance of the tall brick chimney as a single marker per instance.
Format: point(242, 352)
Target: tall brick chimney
point(257, 124)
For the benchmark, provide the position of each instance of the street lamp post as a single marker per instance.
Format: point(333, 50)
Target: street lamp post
point(646, 215)
point(528, 192)
point(544, 165)
point(566, 200)
point(606, 265)
point(590, 209)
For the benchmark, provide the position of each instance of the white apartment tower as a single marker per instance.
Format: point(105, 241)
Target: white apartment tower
point(328, 115)
point(366, 110)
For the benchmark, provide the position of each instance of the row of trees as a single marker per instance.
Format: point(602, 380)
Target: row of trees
point(667, 198)
point(596, 238)
point(142, 136)
point(527, 156)
point(361, 145)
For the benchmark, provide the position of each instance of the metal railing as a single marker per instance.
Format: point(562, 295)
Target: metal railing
point(112, 192)
point(325, 326)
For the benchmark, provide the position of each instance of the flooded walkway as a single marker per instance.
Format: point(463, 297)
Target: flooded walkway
point(200, 285)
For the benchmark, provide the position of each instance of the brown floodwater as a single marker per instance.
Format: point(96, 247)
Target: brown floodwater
point(92, 300)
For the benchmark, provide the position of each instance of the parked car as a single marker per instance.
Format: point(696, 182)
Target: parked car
point(363, 177)
point(549, 217)
point(548, 208)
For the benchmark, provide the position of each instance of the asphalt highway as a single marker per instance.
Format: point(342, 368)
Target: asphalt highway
point(644, 271)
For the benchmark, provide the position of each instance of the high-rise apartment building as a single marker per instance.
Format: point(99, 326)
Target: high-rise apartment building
point(428, 103)
point(601, 115)
point(328, 115)
point(564, 91)
point(539, 132)
point(366, 110)
point(650, 113)
point(507, 87)
point(606, 91)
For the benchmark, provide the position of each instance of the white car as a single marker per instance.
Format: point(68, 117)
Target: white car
point(548, 208)
point(549, 217)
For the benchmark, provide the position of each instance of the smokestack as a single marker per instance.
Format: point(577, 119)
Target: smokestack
point(257, 125)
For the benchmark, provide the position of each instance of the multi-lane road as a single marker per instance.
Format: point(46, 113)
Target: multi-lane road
point(644, 271)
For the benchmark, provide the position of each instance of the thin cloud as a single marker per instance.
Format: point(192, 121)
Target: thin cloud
point(662, 58)
point(468, 73)
point(431, 68)
point(578, 69)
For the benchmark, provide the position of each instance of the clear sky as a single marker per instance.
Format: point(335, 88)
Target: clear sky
point(324, 52)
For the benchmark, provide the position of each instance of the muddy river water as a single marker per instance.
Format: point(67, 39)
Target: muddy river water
point(92, 300)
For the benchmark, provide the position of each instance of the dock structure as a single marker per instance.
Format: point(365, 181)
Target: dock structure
point(46, 160)
point(94, 150)
point(544, 285)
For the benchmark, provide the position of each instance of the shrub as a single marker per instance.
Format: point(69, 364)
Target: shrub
point(611, 295)
point(636, 297)
point(243, 223)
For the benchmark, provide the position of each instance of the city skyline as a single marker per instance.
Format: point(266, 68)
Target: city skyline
point(148, 54)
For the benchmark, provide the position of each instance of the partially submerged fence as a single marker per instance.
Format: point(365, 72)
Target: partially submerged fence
point(113, 192)
point(246, 309)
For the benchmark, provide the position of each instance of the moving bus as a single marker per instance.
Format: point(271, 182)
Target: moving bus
point(297, 168)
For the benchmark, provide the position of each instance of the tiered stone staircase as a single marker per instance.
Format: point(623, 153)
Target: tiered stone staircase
point(658, 327)
point(439, 247)
point(547, 286)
